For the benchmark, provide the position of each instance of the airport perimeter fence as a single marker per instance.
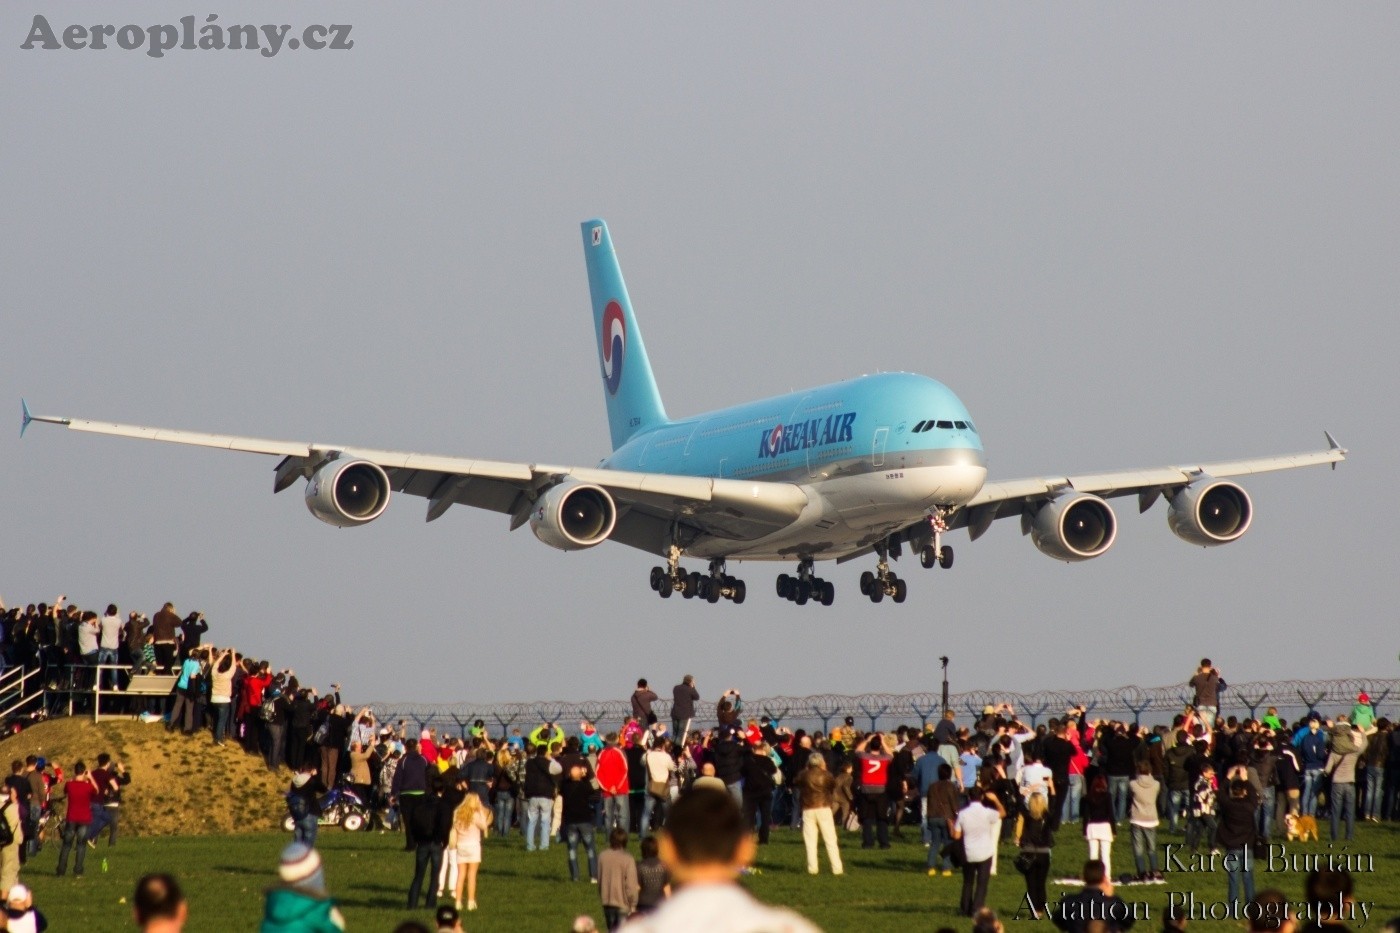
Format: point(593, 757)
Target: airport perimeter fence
point(1293, 699)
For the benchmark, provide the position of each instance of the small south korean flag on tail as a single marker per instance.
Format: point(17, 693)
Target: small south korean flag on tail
point(597, 235)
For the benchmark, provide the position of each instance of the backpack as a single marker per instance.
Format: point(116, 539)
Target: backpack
point(268, 710)
point(7, 835)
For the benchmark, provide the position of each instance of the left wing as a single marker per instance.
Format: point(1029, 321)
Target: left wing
point(649, 504)
point(1014, 497)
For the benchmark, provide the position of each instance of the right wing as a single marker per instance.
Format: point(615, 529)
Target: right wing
point(650, 505)
point(1014, 497)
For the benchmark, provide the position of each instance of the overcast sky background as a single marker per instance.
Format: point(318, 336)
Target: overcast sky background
point(1125, 235)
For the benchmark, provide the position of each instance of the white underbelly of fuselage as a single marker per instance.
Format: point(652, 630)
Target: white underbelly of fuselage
point(848, 513)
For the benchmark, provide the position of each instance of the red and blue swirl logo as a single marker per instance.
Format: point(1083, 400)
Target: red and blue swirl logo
point(614, 342)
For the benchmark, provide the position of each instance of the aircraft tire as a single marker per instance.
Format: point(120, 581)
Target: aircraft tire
point(877, 593)
point(658, 577)
point(901, 590)
point(927, 559)
point(945, 558)
point(802, 592)
point(783, 585)
point(867, 580)
point(828, 593)
point(666, 590)
point(739, 592)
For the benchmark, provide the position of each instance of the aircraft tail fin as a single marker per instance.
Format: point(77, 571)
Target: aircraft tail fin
point(634, 402)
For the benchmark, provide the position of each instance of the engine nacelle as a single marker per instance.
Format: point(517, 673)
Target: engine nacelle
point(1209, 512)
point(346, 493)
point(572, 516)
point(1074, 526)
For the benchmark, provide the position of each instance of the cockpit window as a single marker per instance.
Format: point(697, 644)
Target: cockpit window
point(919, 427)
point(960, 425)
point(946, 425)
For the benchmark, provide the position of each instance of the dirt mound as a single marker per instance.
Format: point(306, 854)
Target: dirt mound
point(180, 785)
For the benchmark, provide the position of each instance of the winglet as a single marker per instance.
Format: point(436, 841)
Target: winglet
point(1333, 445)
point(25, 416)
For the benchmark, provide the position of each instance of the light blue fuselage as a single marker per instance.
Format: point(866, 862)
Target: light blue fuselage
point(869, 450)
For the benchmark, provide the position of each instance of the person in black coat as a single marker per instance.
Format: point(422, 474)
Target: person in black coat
point(759, 781)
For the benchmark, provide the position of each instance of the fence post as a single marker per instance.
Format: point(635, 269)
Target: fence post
point(873, 716)
point(1311, 704)
point(923, 712)
point(777, 716)
point(1135, 710)
point(1037, 713)
point(825, 716)
point(1254, 704)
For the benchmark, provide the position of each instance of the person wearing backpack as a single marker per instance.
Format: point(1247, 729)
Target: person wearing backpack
point(11, 838)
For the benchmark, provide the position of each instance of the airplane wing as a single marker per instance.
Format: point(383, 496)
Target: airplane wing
point(1014, 497)
point(648, 504)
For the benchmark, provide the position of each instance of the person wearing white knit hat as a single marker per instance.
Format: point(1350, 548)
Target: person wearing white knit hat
point(301, 901)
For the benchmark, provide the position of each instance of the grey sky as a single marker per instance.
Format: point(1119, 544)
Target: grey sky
point(1124, 235)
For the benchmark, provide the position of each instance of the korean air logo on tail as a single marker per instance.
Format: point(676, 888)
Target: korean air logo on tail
point(614, 343)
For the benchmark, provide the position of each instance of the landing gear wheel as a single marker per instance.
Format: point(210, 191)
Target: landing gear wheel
point(945, 558)
point(877, 593)
point(713, 591)
point(784, 586)
point(927, 557)
point(804, 592)
point(739, 591)
point(666, 589)
point(828, 593)
point(352, 823)
point(867, 580)
point(901, 590)
point(703, 587)
point(692, 585)
point(658, 578)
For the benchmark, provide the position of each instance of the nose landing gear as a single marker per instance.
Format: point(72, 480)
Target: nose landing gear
point(937, 553)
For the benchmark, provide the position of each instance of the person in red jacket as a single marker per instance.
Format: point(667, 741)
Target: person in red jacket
point(613, 782)
point(253, 686)
point(80, 792)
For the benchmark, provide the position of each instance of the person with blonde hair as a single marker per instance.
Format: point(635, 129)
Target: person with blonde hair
point(1036, 837)
point(816, 789)
point(470, 823)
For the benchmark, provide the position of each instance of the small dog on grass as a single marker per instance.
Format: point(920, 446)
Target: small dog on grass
point(1299, 827)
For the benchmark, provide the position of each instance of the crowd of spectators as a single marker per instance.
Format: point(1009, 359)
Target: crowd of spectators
point(969, 790)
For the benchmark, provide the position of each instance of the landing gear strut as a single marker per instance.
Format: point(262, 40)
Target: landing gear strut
point(883, 582)
point(713, 587)
point(936, 553)
point(806, 587)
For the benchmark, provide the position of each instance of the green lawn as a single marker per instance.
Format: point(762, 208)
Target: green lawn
point(225, 876)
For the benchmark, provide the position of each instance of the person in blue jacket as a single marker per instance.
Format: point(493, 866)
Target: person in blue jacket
point(1311, 743)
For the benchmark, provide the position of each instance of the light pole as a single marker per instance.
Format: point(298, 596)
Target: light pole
point(944, 661)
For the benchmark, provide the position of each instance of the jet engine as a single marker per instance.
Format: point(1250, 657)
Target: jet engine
point(346, 493)
point(1075, 526)
point(1209, 512)
point(572, 516)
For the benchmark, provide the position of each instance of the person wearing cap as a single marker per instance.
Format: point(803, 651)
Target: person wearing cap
point(300, 904)
point(20, 913)
point(1363, 714)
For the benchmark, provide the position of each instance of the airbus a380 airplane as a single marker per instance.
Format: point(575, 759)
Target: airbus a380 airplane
point(856, 468)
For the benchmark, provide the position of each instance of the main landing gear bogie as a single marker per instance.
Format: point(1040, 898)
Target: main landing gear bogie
point(942, 557)
point(806, 587)
point(876, 586)
point(710, 587)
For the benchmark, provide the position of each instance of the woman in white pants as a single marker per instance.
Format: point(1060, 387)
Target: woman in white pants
point(1097, 810)
point(817, 789)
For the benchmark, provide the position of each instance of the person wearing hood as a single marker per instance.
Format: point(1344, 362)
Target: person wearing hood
point(301, 903)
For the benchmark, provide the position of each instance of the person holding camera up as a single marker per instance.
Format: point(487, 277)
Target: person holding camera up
point(1207, 684)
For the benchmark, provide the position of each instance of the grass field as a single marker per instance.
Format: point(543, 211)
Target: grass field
point(225, 876)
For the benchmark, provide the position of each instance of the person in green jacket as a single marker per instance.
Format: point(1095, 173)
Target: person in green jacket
point(1363, 714)
point(301, 904)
